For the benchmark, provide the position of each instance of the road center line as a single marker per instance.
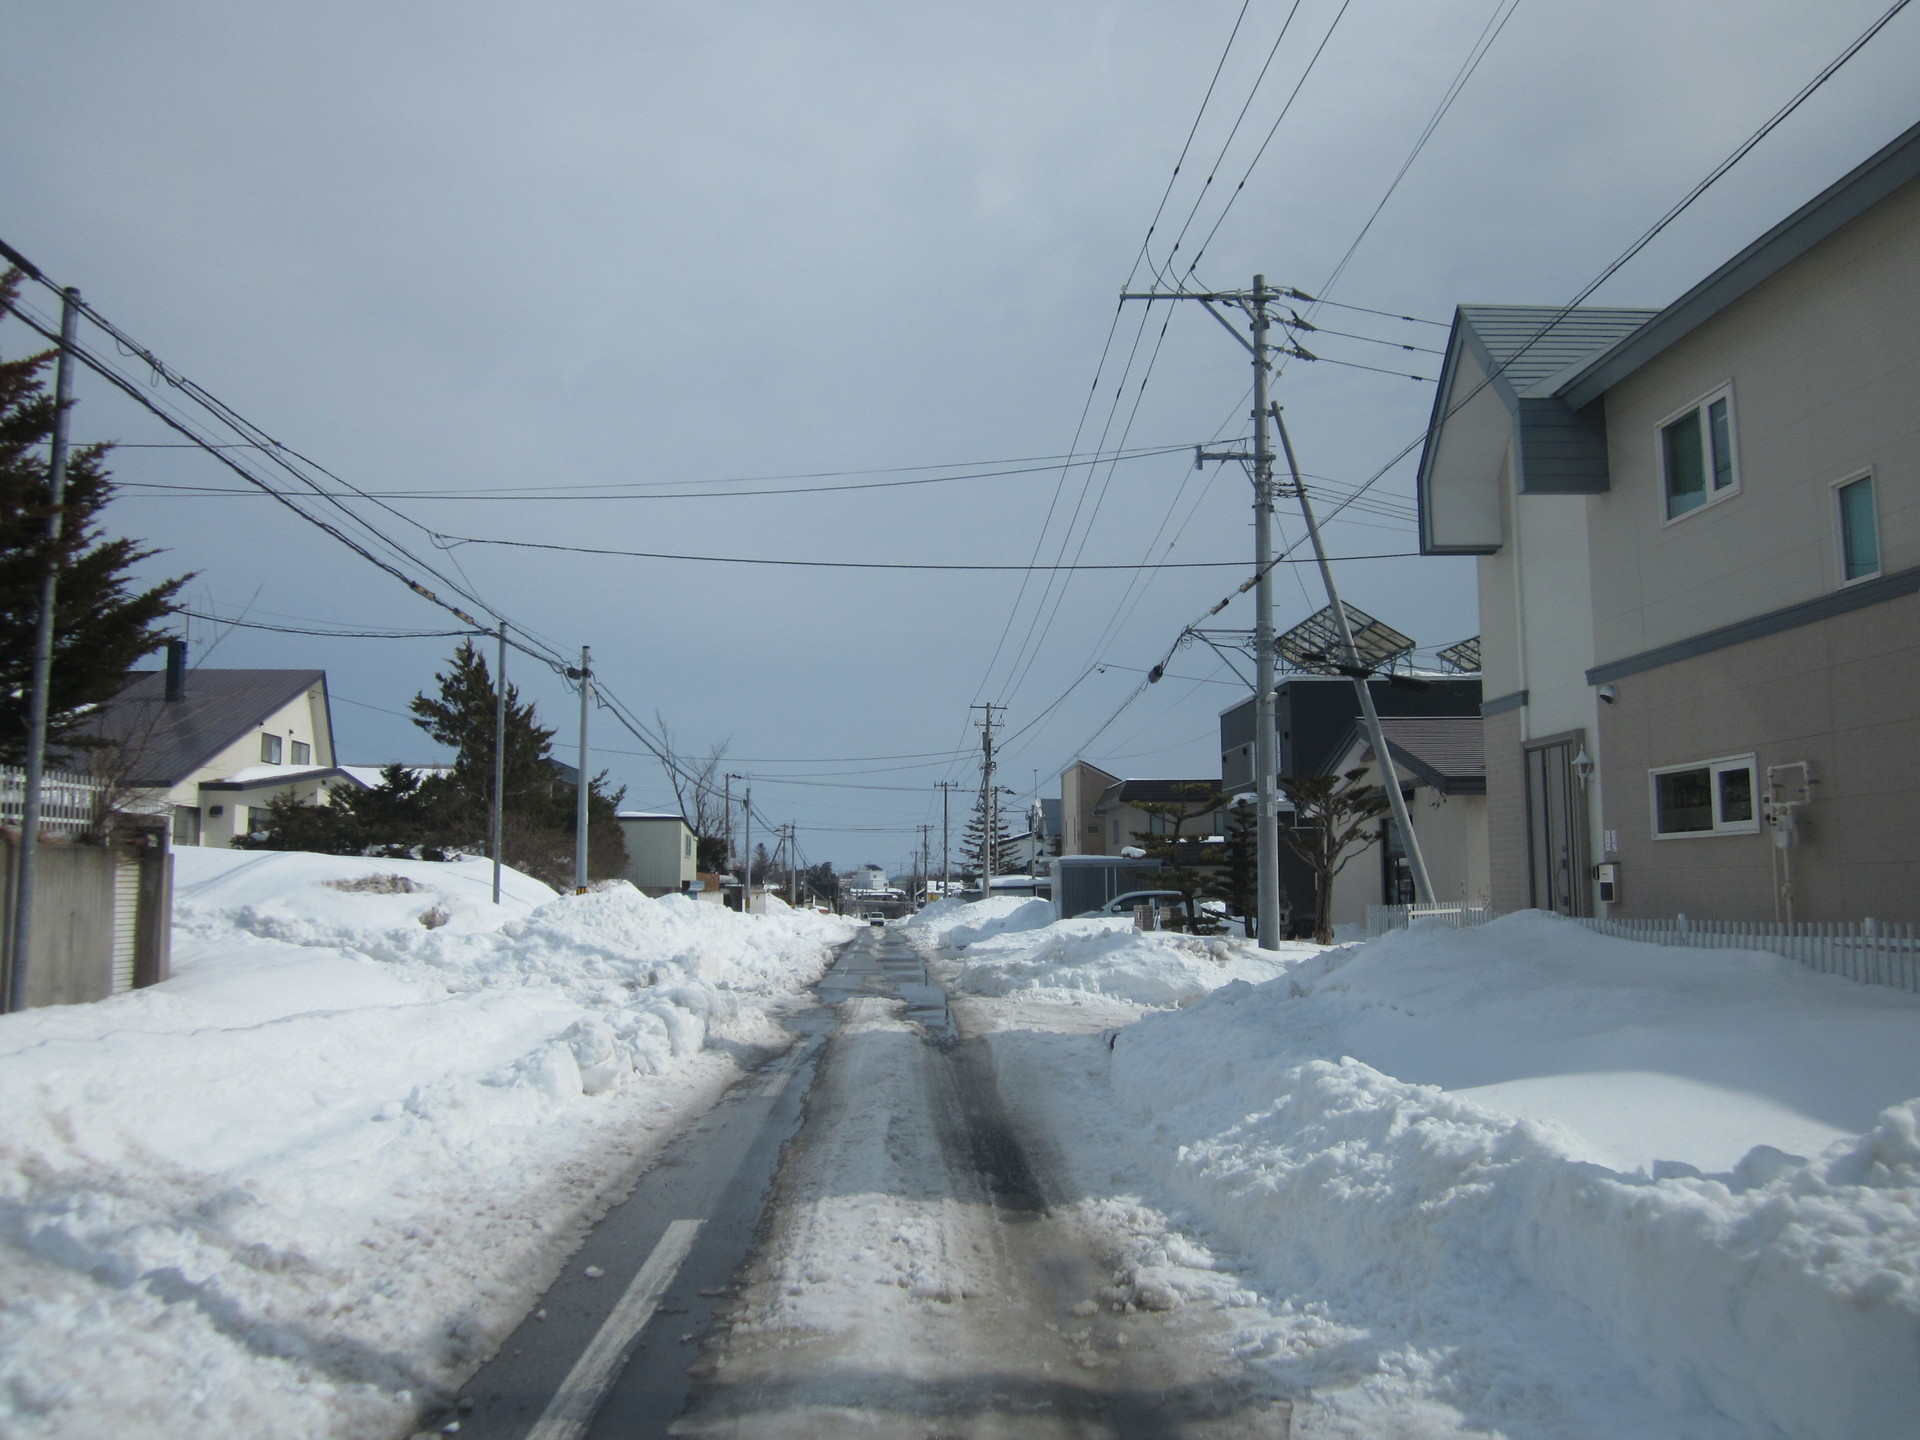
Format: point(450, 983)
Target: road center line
point(574, 1403)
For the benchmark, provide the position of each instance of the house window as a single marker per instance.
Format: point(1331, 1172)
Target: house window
point(1696, 455)
point(302, 753)
point(686, 847)
point(186, 824)
point(1859, 529)
point(269, 749)
point(1710, 797)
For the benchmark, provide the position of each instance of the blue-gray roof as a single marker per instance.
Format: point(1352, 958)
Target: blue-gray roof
point(1526, 348)
point(164, 741)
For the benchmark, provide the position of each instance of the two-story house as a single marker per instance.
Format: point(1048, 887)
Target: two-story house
point(208, 747)
point(1699, 575)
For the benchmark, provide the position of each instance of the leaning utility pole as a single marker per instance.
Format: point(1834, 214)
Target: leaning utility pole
point(38, 697)
point(1254, 302)
point(580, 796)
point(989, 801)
point(1359, 672)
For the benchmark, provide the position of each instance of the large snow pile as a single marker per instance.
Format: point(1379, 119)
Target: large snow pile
point(1010, 947)
point(954, 922)
point(303, 1186)
point(1619, 1128)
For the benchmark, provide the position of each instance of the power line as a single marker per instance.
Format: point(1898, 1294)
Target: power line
point(334, 634)
point(872, 564)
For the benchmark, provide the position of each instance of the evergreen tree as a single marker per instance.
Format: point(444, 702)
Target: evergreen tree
point(1333, 816)
point(972, 851)
point(537, 822)
point(1236, 878)
point(1172, 847)
point(103, 623)
point(394, 820)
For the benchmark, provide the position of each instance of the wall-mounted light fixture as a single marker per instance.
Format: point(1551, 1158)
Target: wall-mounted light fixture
point(1583, 767)
point(1609, 694)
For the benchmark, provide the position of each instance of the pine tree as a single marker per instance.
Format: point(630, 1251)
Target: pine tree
point(103, 624)
point(1170, 846)
point(972, 849)
point(1333, 817)
point(1236, 880)
point(537, 822)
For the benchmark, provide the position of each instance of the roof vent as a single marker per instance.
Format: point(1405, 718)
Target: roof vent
point(176, 669)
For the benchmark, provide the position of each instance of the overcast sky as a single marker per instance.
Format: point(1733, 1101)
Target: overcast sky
point(459, 247)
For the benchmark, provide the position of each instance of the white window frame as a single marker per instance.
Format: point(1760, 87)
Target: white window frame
point(294, 747)
point(1723, 391)
point(1840, 528)
point(271, 748)
point(1714, 768)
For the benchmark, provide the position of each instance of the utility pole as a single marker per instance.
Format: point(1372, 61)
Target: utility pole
point(497, 819)
point(946, 789)
point(989, 801)
point(1358, 670)
point(746, 848)
point(1254, 303)
point(926, 863)
point(580, 799)
point(726, 823)
point(38, 698)
point(793, 863)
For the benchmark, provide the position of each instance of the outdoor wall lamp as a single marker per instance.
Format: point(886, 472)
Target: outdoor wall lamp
point(1583, 767)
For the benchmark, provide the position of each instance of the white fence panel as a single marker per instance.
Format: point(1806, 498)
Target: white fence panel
point(69, 804)
point(1870, 952)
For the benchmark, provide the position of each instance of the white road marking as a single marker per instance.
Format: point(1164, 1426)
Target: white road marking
point(574, 1403)
point(778, 1080)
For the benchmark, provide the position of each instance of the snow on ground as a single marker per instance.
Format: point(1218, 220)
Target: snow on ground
point(303, 1186)
point(1521, 1180)
point(1014, 947)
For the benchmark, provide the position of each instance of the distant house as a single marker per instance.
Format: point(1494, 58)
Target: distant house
point(1081, 786)
point(1122, 822)
point(206, 748)
point(1030, 849)
point(1440, 765)
point(1698, 532)
point(661, 851)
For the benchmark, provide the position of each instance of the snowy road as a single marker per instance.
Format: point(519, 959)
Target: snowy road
point(919, 1269)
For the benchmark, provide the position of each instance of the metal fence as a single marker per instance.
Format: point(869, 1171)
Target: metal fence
point(1382, 918)
point(1870, 952)
point(69, 804)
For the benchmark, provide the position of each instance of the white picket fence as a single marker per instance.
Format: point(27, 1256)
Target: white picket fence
point(69, 803)
point(1871, 952)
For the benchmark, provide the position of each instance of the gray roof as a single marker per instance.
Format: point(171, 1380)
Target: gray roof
point(1447, 752)
point(1158, 792)
point(1527, 347)
point(164, 741)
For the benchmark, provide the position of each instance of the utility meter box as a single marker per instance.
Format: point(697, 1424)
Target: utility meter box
point(1609, 877)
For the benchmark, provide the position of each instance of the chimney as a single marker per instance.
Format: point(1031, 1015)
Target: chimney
point(176, 669)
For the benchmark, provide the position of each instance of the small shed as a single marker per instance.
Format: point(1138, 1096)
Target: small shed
point(662, 851)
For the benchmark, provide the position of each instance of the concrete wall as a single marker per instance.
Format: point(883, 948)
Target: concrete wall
point(74, 930)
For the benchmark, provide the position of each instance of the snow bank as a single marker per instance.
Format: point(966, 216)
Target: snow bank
point(1014, 947)
point(1108, 957)
point(1783, 1292)
point(303, 1186)
point(955, 922)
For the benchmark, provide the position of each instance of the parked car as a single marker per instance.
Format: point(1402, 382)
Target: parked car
point(874, 917)
point(1163, 903)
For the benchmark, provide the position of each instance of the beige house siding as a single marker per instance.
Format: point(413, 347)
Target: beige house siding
point(1081, 832)
point(303, 719)
point(1506, 813)
point(1824, 362)
point(1842, 694)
